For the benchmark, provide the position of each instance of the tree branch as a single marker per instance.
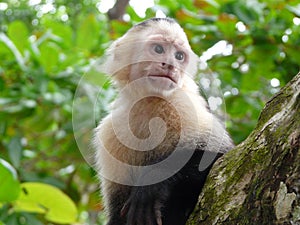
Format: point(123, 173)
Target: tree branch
point(117, 12)
point(258, 181)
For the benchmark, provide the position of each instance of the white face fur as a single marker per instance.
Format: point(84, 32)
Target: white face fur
point(162, 64)
point(157, 52)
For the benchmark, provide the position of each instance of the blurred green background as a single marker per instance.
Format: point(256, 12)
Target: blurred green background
point(250, 48)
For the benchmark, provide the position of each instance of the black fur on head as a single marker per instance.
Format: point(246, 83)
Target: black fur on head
point(155, 20)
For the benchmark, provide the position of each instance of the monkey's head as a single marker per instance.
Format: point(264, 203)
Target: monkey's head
point(156, 51)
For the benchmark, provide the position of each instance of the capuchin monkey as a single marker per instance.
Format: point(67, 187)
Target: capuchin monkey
point(156, 147)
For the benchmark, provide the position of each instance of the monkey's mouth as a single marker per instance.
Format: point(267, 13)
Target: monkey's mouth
point(162, 76)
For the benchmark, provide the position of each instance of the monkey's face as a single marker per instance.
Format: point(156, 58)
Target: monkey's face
point(162, 62)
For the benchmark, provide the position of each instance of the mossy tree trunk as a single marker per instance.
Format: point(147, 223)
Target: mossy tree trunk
point(258, 182)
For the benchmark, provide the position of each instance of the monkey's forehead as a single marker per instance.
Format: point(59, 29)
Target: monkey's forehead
point(163, 37)
point(162, 31)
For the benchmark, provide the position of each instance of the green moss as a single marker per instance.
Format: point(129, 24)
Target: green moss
point(274, 106)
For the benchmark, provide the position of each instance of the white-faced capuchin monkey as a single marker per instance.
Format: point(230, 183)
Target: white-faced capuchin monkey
point(156, 147)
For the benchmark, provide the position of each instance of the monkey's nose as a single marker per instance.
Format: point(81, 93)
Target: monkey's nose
point(167, 66)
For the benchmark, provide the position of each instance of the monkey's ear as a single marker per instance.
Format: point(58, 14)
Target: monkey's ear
point(112, 58)
point(116, 61)
point(120, 52)
point(118, 49)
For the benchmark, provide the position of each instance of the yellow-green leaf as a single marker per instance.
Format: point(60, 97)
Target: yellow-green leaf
point(48, 200)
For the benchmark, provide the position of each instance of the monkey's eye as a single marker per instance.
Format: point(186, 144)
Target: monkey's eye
point(158, 49)
point(179, 56)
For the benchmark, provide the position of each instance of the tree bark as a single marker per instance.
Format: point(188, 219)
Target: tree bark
point(258, 182)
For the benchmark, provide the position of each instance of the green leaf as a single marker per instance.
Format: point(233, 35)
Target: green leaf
point(293, 53)
point(227, 25)
point(49, 56)
point(13, 48)
point(18, 33)
point(48, 200)
point(15, 151)
point(21, 218)
point(61, 30)
point(245, 13)
point(88, 32)
point(95, 77)
point(10, 187)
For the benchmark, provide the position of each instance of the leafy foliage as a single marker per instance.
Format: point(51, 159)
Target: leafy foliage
point(45, 48)
point(10, 187)
point(48, 200)
point(34, 198)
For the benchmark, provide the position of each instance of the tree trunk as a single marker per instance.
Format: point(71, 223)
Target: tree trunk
point(258, 182)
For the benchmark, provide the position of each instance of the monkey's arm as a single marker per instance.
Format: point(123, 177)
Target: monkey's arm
point(171, 201)
point(145, 204)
